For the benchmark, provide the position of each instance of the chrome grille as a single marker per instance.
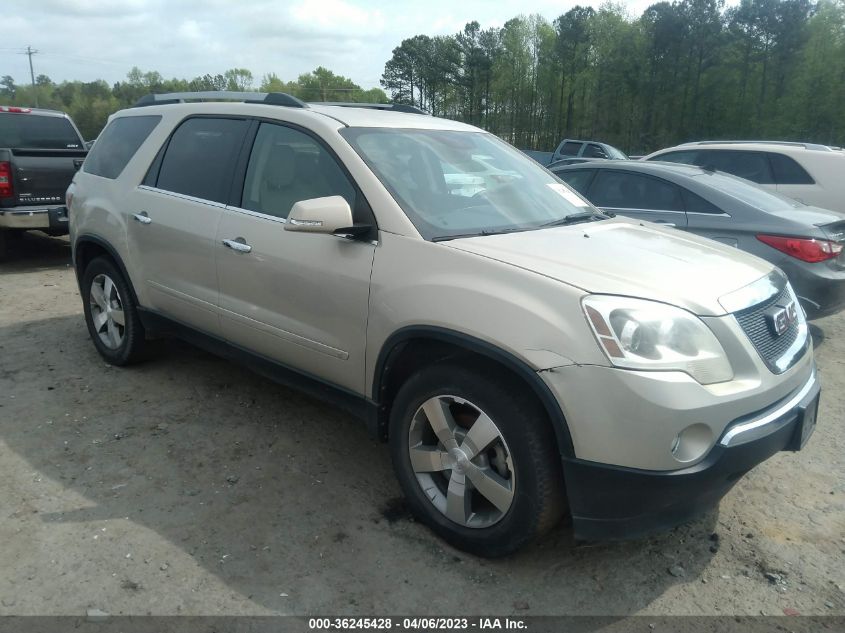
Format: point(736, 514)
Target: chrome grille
point(768, 344)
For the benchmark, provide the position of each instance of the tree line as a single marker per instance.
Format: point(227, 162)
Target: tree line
point(90, 103)
point(683, 70)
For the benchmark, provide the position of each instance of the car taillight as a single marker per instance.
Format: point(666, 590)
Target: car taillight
point(7, 190)
point(803, 248)
point(15, 109)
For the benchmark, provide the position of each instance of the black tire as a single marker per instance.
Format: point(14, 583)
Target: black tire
point(132, 345)
point(538, 498)
point(7, 237)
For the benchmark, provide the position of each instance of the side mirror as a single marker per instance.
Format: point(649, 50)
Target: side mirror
point(319, 215)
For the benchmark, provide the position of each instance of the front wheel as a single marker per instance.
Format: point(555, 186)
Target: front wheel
point(476, 458)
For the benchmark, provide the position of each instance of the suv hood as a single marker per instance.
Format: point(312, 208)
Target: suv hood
point(626, 257)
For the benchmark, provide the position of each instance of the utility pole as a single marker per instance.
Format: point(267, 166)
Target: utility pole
point(30, 53)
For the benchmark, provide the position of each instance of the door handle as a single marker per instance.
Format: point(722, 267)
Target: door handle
point(238, 244)
point(664, 223)
point(142, 217)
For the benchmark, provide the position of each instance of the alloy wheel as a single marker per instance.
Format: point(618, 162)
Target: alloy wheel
point(461, 461)
point(107, 311)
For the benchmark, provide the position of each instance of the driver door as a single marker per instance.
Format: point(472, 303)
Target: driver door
point(300, 299)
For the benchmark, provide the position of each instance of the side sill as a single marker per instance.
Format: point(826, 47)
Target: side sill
point(351, 402)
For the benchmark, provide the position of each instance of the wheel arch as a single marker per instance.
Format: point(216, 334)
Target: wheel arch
point(87, 247)
point(412, 347)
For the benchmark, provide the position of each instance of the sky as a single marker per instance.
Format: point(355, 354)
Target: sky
point(101, 39)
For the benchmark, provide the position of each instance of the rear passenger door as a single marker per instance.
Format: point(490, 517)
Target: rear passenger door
point(301, 299)
point(638, 196)
point(173, 218)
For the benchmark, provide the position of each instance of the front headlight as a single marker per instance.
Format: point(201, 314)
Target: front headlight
point(641, 334)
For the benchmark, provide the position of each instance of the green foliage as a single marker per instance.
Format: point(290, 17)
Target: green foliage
point(683, 70)
point(90, 104)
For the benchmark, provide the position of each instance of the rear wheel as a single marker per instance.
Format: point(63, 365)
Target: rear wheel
point(476, 458)
point(112, 318)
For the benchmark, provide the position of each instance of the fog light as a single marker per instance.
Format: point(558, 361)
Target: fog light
point(691, 443)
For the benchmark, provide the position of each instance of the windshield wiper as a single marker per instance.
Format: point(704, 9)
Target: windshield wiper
point(575, 218)
point(444, 238)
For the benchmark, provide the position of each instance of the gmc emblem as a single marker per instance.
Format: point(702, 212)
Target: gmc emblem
point(781, 317)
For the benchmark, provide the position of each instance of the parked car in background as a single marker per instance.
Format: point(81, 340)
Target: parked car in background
point(805, 242)
point(40, 150)
point(570, 149)
point(812, 174)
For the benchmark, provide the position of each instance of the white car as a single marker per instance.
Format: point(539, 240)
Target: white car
point(812, 174)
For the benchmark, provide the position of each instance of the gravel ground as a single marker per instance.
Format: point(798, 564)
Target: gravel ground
point(188, 485)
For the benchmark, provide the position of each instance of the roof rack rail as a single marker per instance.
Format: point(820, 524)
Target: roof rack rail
point(267, 98)
point(395, 107)
point(815, 146)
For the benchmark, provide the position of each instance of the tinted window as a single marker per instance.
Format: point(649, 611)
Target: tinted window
point(578, 179)
point(622, 190)
point(753, 166)
point(696, 204)
point(200, 158)
point(117, 145)
point(686, 157)
point(789, 172)
point(594, 151)
point(37, 131)
point(287, 166)
point(570, 149)
point(748, 193)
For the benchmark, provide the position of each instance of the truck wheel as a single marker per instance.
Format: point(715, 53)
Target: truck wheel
point(476, 458)
point(6, 239)
point(110, 315)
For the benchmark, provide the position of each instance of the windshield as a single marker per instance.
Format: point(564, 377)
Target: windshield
point(26, 130)
point(749, 193)
point(453, 184)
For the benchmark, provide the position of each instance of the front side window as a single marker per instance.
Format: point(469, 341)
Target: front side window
point(621, 190)
point(200, 158)
point(287, 166)
point(457, 184)
point(117, 145)
point(36, 131)
point(594, 151)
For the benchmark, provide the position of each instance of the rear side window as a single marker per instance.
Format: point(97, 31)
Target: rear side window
point(696, 204)
point(200, 158)
point(620, 190)
point(570, 149)
point(578, 179)
point(788, 172)
point(117, 144)
point(753, 166)
point(287, 166)
point(27, 130)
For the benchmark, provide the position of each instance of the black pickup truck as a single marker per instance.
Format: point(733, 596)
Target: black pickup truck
point(40, 150)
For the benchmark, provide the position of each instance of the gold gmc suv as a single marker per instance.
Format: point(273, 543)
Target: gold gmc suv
point(525, 356)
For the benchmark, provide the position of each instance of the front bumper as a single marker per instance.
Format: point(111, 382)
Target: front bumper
point(613, 502)
point(53, 220)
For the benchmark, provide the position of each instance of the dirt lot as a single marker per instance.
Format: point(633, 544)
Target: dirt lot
point(188, 485)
